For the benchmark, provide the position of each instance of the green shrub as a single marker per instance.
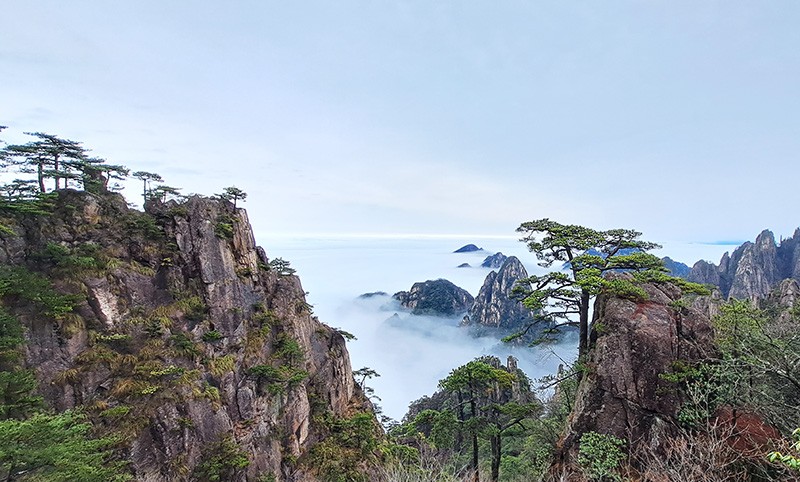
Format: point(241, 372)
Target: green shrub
point(277, 379)
point(193, 308)
point(222, 365)
point(600, 455)
point(350, 442)
point(222, 461)
point(184, 345)
point(224, 226)
point(212, 336)
point(288, 349)
point(791, 460)
point(57, 448)
point(36, 289)
point(11, 337)
point(116, 412)
point(85, 257)
point(138, 223)
point(111, 337)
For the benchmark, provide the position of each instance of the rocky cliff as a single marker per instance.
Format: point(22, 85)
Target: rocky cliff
point(753, 270)
point(623, 392)
point(676, 268)
point(183, 339)
point(494, 306)
point(435, 297)
point(494, 261)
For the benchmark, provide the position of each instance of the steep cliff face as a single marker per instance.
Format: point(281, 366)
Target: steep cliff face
point(753, 270)
point(183, 339)
point(435, 297)
point(782, 300)
point(705, 273)
point(756, 269)
point(494, 305)
point(676, 268)
point(634, 343)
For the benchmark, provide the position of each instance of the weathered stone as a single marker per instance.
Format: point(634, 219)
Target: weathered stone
point(494, 261)
point(756, 270)
point(676, 268)
point(435, 297)
point(753, 270)
point(494, 306)
point(175, 271)
point(633, 344)
point(704, 273)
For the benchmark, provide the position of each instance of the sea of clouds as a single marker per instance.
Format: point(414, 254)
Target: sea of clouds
point(412, 353)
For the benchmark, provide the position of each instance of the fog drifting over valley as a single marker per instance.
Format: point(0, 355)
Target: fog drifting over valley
point(412, 353)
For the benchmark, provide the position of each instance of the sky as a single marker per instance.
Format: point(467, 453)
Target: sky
point(680, 119)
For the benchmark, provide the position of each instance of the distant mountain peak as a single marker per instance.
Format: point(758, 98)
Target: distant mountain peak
point(435, 297)
point(753, 269)
point(494, 261)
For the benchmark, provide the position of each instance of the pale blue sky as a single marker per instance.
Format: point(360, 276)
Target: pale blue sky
point(680, 119)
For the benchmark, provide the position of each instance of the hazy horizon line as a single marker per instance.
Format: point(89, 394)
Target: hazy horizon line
point(391, 235)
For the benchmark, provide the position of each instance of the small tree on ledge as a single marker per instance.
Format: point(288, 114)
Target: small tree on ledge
point(233, 194)
point(147, 178)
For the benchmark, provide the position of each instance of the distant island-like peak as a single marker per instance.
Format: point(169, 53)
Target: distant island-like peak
point(469, 248)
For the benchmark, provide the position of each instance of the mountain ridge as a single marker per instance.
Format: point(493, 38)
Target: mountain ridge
point(187, 332)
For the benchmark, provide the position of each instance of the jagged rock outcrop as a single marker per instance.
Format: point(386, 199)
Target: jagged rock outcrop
point(634, 343)
point(787, 294)
point(435, 297)
point(753, 270)
point(704, 273)
point(494, 261)
point(494, 306)
point(756, 269)
point(182, 336)
point(782, 301)
point(676, 268)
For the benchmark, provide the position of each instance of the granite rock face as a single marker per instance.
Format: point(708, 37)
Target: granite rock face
point(705, 273)
point(494, 306)
point(676, 268)
point(177, 310)
point(622, 392)
point(782, 300)
point(494, 261)
point(754, 269)
point(436, 298)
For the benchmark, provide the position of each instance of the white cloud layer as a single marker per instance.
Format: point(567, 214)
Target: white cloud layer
point(412, 353)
